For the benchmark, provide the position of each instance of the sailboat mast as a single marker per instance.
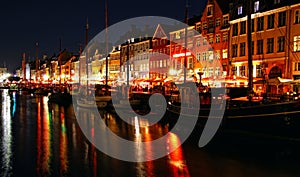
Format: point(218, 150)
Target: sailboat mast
point(106, 42)
point(36, 61)
point(249, 41)
point(24, 66)
point(185, 41)
point(59, 60)
point(87, 53)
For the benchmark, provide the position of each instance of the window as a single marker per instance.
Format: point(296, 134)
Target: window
point(234, 70)
point(225, 37)
point(218, 54)
point(297, 16)
point(204, 41)
point(210, 56)
point(211, 27)
point(296, 43)
point(242, 71)
point(204, 25)
point(210, 71)
point(235, 29)
point(204, 56)
point(211, 39)
point(204, 72)
point(234, 50)
point(259, 71)
point(225, 20)
point(210, 10)
point(198, 42)
point(281, 19)
point(218, 22)
point(190, 62)
point(252, 47)
point(297, 66)
point(252, 25)
point(240, 10)
point(270, 45)
point(260, 24)
point(276, 1)
point(271, 21)
point(198, 56)
point(225, 54)
point(218, 71)
point(256, 6)
point(243, 27)
point(198, 27)
point(242, 48)
point(177, 35)
point(260, 46)
point(280, 44)
point(218, 38)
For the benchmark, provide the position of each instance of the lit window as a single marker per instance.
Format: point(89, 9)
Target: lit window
point(240, 10)
point(297, 66)
point(218, 38)
point(256, 6)
point(218, 54)
point(210, 71)
point(177, 35)
point(204, 26)
point(211, 39)
point(225, 37)
point(218, 71)
point(296, 43)
point(210, 55)
point(224, 55)
point(204, 72)
point(198, 42)
point(204, 41)
point(198, 56)
point(204, 56)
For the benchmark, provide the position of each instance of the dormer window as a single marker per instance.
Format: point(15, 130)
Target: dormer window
point(256, 6)
point(240, 10)
point(210, 10)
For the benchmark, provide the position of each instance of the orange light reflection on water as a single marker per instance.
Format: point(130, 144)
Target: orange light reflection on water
point(176, 159)
point(44, 152)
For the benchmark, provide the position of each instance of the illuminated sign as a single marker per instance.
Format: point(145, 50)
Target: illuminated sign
point(182, 54)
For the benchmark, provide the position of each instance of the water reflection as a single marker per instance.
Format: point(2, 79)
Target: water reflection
point(44, 151)
point(6, 145)
point(41, 139)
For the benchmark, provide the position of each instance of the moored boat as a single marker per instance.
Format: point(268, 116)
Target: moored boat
point(259, 116)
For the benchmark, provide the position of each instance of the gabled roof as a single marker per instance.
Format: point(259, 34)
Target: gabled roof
point(159, 33)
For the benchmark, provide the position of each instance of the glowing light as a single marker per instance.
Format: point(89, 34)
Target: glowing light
point(182, 54)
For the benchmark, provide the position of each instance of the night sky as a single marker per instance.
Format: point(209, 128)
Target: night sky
point(23, 23)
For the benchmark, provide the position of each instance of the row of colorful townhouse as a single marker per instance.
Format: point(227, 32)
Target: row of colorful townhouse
point(213, 46)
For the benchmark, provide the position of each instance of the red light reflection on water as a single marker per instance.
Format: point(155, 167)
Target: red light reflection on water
point(63, 144)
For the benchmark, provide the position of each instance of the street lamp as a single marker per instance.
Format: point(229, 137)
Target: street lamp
point(200, 77)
